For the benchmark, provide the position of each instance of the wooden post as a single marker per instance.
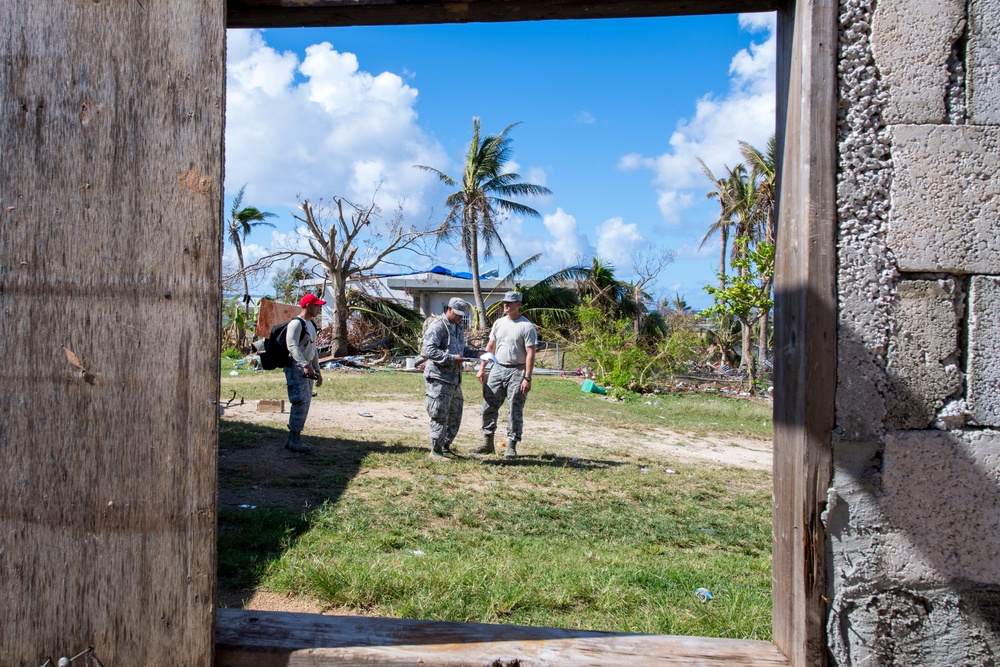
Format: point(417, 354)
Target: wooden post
point(111, 117)
point(805, 321)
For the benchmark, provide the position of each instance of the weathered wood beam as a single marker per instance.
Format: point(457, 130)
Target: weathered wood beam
point(111, 125)
point(805, 324)
point(269, 639)
point(314, 13)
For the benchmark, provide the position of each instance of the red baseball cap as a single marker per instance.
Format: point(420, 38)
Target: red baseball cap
point(311, 300)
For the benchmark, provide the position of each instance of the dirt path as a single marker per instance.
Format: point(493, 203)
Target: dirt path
point(544, 433)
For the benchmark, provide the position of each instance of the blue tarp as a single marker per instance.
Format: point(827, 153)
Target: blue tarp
point(440, 270)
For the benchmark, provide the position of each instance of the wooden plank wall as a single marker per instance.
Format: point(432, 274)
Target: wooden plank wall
point(111, 121)
point(805, 324)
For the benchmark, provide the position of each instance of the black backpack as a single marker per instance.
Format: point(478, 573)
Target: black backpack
point(275, 352)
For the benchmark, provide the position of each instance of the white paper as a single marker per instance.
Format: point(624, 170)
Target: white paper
point(488, 356)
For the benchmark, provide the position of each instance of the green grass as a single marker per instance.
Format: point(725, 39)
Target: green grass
point(617, 548)
point(702, 413)
point(617, 545)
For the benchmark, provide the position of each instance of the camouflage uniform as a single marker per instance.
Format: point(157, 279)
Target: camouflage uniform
point(443, 380)
point(504, 382)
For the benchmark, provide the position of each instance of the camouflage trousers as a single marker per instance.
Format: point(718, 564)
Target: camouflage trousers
point(504, 383)
point(444, 406)
point(300, 390)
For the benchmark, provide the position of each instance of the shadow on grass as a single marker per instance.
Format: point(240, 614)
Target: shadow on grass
point(267, 495)
point(551, 461)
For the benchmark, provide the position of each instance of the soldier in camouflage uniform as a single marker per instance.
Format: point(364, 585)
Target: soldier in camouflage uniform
point(444, 349)
point(513, 339)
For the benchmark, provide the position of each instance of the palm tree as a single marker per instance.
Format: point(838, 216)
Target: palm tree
point(614, 297)
point(549, 302)
point(763, 167)
point(484, 191)
point(763, 170)
point(242, 220)
point(724, 222)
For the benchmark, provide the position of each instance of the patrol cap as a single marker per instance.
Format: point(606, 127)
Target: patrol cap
point(510, 297)
point(459, 305)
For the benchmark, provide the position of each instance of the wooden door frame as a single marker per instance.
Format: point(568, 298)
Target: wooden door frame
point(805, 282)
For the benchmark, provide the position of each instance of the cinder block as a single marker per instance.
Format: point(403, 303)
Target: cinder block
point(270, 405)
point(983, 62)
point(940, 497)
point(912, 42)
point(923, 359)
point(945, 199)
point(984, 350)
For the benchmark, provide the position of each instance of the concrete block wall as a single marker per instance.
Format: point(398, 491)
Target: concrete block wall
point(913, 512)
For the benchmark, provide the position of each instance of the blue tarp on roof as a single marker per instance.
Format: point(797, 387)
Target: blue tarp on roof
point(440, 270)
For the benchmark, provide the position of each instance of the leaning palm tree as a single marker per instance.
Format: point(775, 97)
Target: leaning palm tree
point(605, 291)
point(550, 301)
point(484, 192)
point(242, 220)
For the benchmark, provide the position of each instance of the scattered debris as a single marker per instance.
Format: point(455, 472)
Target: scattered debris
point(366, 414)
point(703, 594)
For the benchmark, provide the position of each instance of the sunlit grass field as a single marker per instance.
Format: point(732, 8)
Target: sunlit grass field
point(601, 543)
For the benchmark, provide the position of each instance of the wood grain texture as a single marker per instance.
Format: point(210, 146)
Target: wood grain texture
point(270, 639)
point(110, 219)
point(292, 13)
point(804, 326)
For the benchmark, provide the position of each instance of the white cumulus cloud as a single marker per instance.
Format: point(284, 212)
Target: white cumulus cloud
point(745, 113)
point(321, 127)
point(616, 240)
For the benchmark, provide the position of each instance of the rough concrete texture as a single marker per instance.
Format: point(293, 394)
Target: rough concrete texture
point(984, 350)
point(941, 490)
point(912, 42)
point(865, 271)
point(903, 594)
point(923, 359)
point(983, 62)
point(896, 627)
point(945, 198)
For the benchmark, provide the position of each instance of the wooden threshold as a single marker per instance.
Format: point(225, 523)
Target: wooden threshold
point(247, 638)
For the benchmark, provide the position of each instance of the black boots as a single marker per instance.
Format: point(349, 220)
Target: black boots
point(295, 443)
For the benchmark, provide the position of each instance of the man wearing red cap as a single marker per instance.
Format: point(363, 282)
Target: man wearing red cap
point(302, 369)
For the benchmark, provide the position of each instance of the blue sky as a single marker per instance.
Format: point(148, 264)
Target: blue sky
point(613, 114)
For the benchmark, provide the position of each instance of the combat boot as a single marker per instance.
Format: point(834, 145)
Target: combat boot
point(295, 444)
point(485, 448)
point(511, 452)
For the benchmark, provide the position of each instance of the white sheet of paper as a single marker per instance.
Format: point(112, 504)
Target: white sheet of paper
point(488, 356)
